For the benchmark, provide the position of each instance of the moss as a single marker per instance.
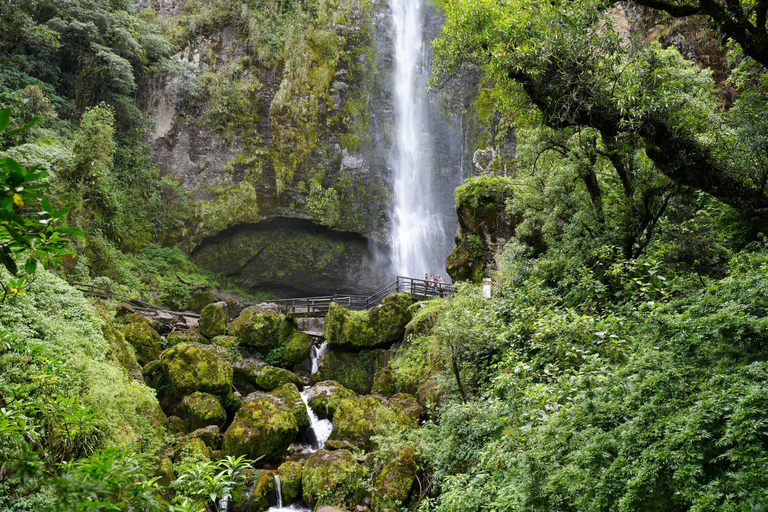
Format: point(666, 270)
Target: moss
point(381, 325)
point(118, 350)
point(259, 496)
point(290, 480)
point(213, 320)
point(384, 382)
point(352, 420)
point(271, 377)
point(191, 448)
point(263, 329)
point(297, 348)
point(333, 478)
point(210, 435)
point(164, 472)
point(144, 340)
point(200, 299)
point(202, 410)
point(226, 341)
point(393, 484)
point(191, 367)
point(266, 424)
point(237, 204)
point(190, 336)
point(325, 397)
point(353, 370)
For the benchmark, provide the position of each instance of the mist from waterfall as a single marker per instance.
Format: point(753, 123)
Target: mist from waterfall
point(419, 236)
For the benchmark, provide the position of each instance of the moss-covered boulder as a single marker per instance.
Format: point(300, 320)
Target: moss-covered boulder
point(379, 326)
point(200, 299)
point(297, 348)
point(164, 472)
point(118, 348)
point(251, 376)
point(325, 396)
point(214, 319)
point(358, 419)
point(259, 495)
point(408, 404)
point(384, 382)
point(145, 341)
point(353, 370)
point(262, 329)
point(190, 448)
point(393, 484)
point(191, 367)
point(226, 341)
point(203, 409)
point(266, 424)
point(336, 475)
point(290, 480)
point(210, 435)
point(190, 336)
point(177, 425)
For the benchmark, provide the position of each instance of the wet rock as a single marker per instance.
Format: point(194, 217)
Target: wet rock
point(266, 424)
point(393, 484)
point(190, 448)
point(200, 299)
point(337, 475)
point(191, 367)
point(297, 348)
point(253, 376)
point(353, 370)
point(188, 336)
point(259, 496)
point(290, 480)
point(352, 420)
point(144, 340)
point(379, 326)
point(214, 319)
point(203, 409)
point(262, 329)
point(226, 341)
point(325, 396)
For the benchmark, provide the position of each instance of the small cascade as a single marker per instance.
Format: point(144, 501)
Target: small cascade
point(278, 492)
point(320, 430)
point(316, 353)
point(279, 506)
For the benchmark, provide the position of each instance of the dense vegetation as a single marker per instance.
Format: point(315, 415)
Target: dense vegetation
point(620, 365)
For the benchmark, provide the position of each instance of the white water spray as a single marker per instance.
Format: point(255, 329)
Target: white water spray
point(418, 233)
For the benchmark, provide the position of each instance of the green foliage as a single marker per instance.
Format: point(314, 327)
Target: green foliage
point(206, 483)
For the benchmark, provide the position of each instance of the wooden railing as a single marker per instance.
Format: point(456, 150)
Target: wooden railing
point(312, 306)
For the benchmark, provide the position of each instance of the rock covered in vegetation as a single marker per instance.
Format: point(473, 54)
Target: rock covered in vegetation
point(353, 370)
point(144, 340)
point(259, 496)
point(379, 326)
point(358, 419)
point(384, 382)
point(252, 376)
point(266, 423)
point(214, 319)
point(297, 348)
point(337, 475)
point(200, 299)
point(189, 336)
point(290, 480)
point(193, 448)
point(191, 367)
point(393, 484)
point(226, 341)
point(262, 329)
point(325, 396)
point(210, 435)
point(203, 409)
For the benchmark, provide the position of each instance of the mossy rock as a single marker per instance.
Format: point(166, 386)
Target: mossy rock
point(261, 328)
point(203, 409)
point(297, 348)
point(226, 341)
point(177, 425)
point(379, 326)
point(393, 484)
point(266, 424)
point(408, 404)
point(353, 420)
point(259, 495)
point(353, 370)
point(118, 349)
point(384, 382)
point(214, 319)
point(164, 472)
point(290, 480)
point(251, 376)
point(325, 396)
point(145, 341)
point(210, 435)
point(424, 317)
point(156, 417)
point(199, 300)
point(191, 367)
point(337, 476)
point(190, 336)
point(194, 448)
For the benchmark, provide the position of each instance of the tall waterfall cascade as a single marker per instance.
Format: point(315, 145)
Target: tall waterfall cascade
point(421, 236)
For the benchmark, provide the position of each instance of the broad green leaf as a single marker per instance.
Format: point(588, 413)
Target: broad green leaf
point(70, 231)
point(5, 118)
point(31, 266)
point(9, 263)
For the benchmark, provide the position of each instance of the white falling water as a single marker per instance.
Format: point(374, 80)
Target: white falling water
point(418, 233)
point(279, 497)
point(321, 429)
point(316, 353)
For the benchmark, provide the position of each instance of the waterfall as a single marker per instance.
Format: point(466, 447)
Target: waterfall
point(419, 237)
point(319, 430)
point(316, 353)
point(279, 500)
point(278, 492)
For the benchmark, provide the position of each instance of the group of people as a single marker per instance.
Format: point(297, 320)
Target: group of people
point(435, 283)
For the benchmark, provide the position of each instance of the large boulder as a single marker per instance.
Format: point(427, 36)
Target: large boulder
point(259, 495)
point(189, 336)
point(202, 410)
point(353, 370)
point(297, 348)
point(191, 367)
point(251, 376)
point(393, 484)
point(210, 435)
point(353, 422)
point(377, 327)
point(325, 396)
point(290, 480)
point(144, 339)
point(262, 329)
point(337, 476)
point(191, 448)
point(266, 424)
point(214, 319)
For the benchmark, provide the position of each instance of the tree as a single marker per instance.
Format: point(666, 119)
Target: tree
point(565, 59)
